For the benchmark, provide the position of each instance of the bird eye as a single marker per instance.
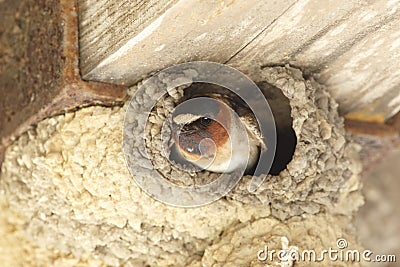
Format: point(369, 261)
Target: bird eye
point(189, 149)
point(205, 121)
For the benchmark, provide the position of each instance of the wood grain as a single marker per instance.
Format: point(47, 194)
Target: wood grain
point(189, 30)
point(107, 25)
point(352, 47)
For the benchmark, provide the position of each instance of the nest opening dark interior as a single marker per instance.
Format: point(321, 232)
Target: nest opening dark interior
point(286, 136)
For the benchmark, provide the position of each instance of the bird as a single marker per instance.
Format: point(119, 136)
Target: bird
point(209, 135)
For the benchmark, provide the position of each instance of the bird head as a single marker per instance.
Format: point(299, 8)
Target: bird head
point(201, 131)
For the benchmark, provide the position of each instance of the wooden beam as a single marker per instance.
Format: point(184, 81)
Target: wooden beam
point(350, 46)
point(106, 26)
point(187, 30)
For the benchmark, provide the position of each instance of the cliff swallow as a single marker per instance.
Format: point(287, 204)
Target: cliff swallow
point(210, 136)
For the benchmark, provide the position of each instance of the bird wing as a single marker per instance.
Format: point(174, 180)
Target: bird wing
point(251, 125)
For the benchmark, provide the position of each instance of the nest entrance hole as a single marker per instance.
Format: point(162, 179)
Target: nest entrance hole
point(280, 106)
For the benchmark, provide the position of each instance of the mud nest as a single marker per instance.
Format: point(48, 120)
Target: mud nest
point(69, 179)
point(317, 162)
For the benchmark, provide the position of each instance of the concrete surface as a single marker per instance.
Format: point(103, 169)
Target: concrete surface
point(378, 222)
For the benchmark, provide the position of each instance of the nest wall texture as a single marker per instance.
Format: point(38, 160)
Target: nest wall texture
point(68, 178)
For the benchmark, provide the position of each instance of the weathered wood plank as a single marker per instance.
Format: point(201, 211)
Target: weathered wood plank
point(352, 47)
point(366, 79)
point(106, 25)
point(188, 30)
point(303, 24)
